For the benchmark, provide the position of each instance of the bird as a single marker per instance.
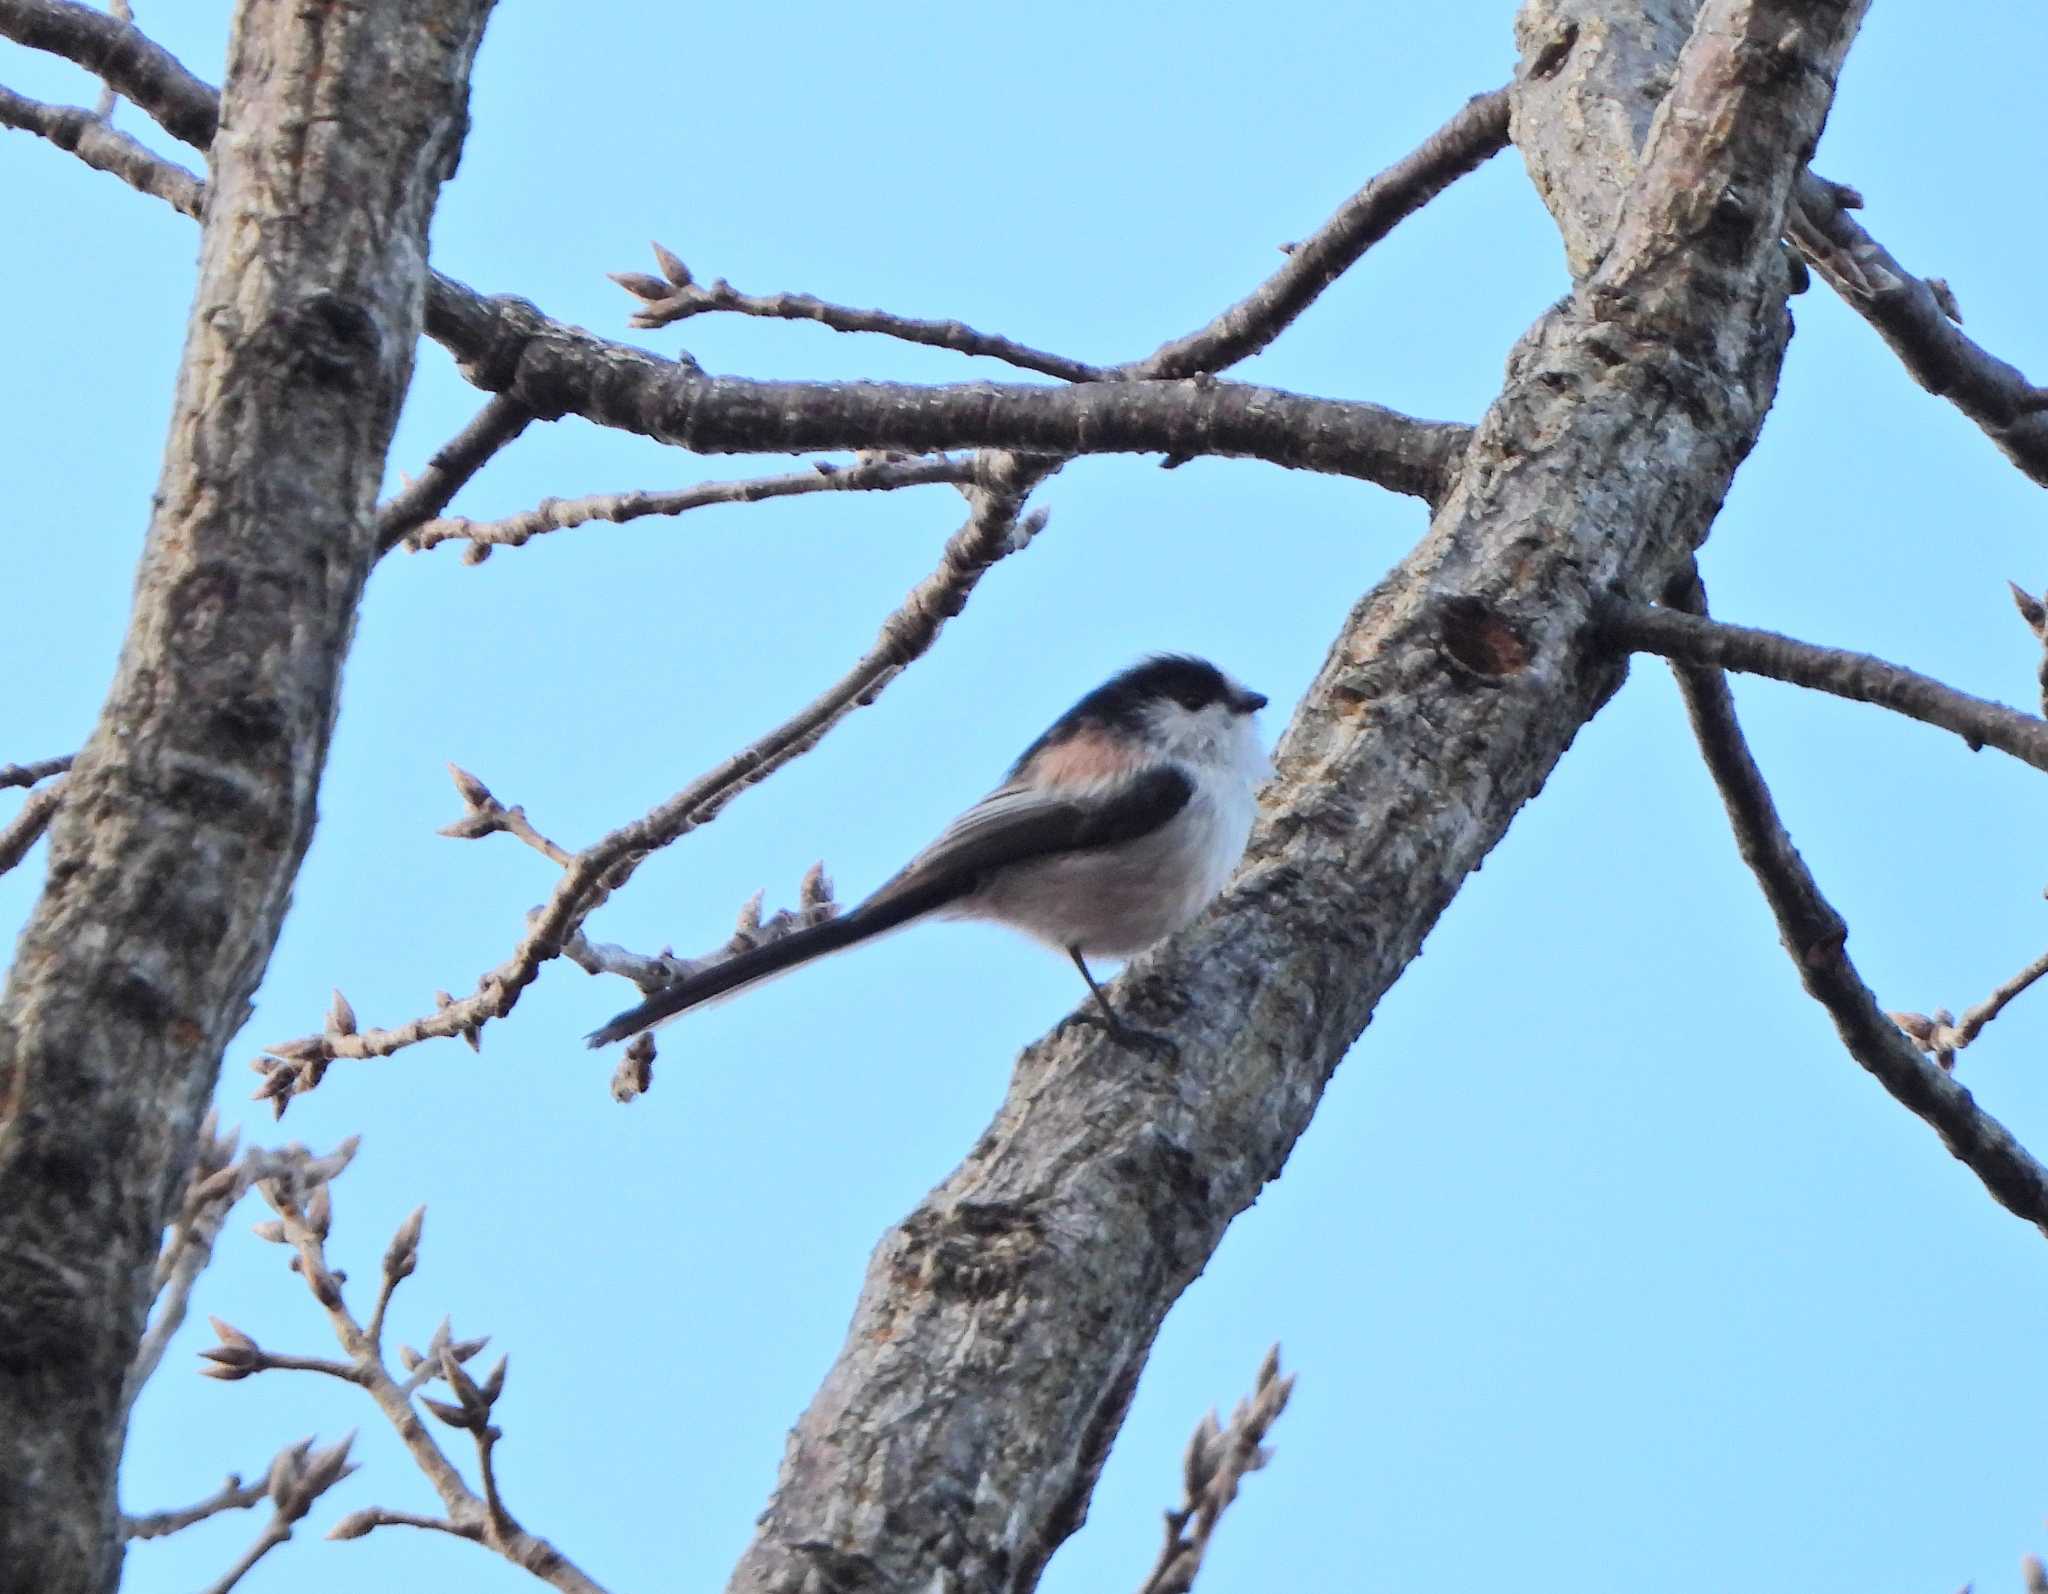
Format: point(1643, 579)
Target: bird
point(1111, 831)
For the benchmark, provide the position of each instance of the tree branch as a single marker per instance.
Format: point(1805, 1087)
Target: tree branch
point(82, 133)
point(1920, 321)
point(676, 296)
point(559, 514)
point(303, 1219)
point(1216, 1463)
point(27, 826)
point(509, 347)
point(30, 774)
point(1941, 1036)
point(233, 1495)
point(1695, 639)
point(127, 59)
point(1468, 140)
point(990, 534)
point(454, 463)
point(1814, 937)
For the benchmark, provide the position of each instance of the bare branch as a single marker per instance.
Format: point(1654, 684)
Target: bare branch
point(487, 816)
point(454, 463)
point(127, 59)
point(559, 514)
point(105, 149)
point(233, 1495)
point(676, 296)
point(358, 1523)
point(1216, 1462)
point(990, 534)
point(302, 1222)
point(1941, 1036)
point(1920, 321)
point(27, 826)
point(298, 1477)
point(1814, 936)
point(1695, 639)
point(31, 774)
point(635, 1073)
point(1470, 138)
point(507, 346)
point(217, 1181)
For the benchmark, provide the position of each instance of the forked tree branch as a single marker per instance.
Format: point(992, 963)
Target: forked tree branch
point(991, 533)
point(1814, 936)
point(454, 463)
point(507, 346)
point(304, 1216)
point(1695, 639)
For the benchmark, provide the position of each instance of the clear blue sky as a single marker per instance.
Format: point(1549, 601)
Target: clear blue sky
point(1603, 1268)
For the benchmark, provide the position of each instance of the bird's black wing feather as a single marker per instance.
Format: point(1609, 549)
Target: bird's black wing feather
point(1013, 824)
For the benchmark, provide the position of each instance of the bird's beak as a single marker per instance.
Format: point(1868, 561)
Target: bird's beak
point(1250, 702)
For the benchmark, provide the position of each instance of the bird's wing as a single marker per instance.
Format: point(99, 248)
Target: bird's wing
point(1011, 824)
point(1017, 822)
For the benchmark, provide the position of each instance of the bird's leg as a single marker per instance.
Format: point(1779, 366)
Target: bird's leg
point(1136, 1040)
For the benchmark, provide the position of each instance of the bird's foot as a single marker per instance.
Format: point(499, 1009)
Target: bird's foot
point(1145, 1042)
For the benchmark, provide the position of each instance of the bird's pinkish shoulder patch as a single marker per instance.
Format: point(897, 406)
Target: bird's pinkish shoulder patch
point(1088, 755)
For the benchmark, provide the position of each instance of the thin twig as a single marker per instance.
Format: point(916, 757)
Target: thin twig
point(559, 514)
point(1814, 935)
point(298, 1477)
point(302, 1223)
point(369, 1518)
point(1919, 319)
point(1467, 141)
point(676, 296)
point(1694, 639)
point(1941, 1035)
point(32, 774)
point(233, 1495)
point(27, 826)
point(991, 533)
point(486, 816)
point(218, 1179)
point(454, 463)
point(1216, 1462)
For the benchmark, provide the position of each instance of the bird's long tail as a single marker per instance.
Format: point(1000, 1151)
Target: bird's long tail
point(885, 911)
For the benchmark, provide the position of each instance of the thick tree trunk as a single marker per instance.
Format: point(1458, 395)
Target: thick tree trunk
point(1002, 1326)
point(188, 811)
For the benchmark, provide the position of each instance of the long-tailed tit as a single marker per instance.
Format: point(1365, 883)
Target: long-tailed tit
point(1113, 830)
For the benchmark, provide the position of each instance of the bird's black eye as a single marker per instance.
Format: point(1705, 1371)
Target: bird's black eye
point(1193, 702)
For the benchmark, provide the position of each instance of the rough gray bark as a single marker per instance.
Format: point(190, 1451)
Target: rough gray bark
point(1002, 1326)
point(187, 812)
